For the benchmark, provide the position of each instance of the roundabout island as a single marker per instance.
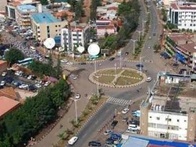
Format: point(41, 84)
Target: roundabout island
point(117, 77)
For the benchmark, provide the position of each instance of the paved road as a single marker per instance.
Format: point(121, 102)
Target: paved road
point(86, 134)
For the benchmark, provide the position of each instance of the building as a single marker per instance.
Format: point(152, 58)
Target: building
point(105, 26)
point(3, 5)
point(11, 6)
point(183, 15)
point(74, 36)
point(9, 93)
point(7, 105)
point(3, 66)
point(45, 25)
point(169, 112)
point(182, 47)
point(23, 13)
point(143, 141)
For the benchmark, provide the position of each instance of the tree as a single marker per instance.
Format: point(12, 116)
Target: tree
point(44, 2)
point(13, 55)
point(58, 68)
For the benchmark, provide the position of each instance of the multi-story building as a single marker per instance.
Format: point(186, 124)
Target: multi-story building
point(183, 15)
point(11, 6)
point(3, 5)
point(23, 13)
point(182, 48)
point(170, 109)
point(45, 25)
point(73, 36)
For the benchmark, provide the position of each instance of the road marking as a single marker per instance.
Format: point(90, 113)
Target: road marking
point(118, 101)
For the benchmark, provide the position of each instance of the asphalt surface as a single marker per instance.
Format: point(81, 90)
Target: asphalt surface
point(153, 66)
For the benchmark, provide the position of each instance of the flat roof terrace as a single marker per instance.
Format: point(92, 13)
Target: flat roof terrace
point(45, 17)
point(26, 8)
point(179, 98)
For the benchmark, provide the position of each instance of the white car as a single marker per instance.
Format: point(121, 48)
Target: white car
point(23, 86)
point(2, 83)
point(73, 140)
point(125, 110)
point(4, 74)
point(149, 79)
point(38, 85)
point(77, 96)
point(64, 61)
point(46, 84)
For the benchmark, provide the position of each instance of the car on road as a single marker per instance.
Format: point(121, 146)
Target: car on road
point(4, 74)
point(73, 140)
point(94, 143)
point(107, 132)
point(149, 79)
point(111, 59)
point(77, 96)
point(125, 110)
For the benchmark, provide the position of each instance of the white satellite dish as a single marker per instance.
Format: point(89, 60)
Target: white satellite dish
point(49, 43)
point(93, 49)
point(80, 49)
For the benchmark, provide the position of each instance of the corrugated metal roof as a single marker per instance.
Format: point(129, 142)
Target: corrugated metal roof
point(135, 142)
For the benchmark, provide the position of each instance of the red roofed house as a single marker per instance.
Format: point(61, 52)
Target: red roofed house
point(3, 66)
point(101, 30)
point(7, 105)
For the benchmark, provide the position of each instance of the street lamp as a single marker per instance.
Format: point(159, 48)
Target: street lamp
point(141, 65)
point(144, 21)
point(139, 34)
point(133, 45)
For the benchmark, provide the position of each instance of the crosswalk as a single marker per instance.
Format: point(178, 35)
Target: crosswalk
point(118, 101)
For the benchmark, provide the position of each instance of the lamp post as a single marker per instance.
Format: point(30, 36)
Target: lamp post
point(139, 38)
point(133, 45)
point(141, 65)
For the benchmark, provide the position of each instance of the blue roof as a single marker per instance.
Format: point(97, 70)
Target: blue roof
point(135, 142)
point(26, 8)
point(165, 142)
point(44, 17)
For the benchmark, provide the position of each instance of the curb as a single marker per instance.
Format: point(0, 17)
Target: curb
point(116, 86)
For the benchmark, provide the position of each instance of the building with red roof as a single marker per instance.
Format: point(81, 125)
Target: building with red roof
point(7, 105)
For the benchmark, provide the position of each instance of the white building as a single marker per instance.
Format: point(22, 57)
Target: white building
point(74, 36)
point(169, 112)
point(183, 15)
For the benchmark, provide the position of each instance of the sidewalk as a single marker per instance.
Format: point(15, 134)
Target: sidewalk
point(51, 139)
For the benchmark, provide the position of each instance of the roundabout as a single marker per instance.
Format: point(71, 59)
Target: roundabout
point(117, 78)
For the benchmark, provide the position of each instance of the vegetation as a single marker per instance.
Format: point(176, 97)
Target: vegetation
point(164, 14)
point(13, 55)
point(44, 2)
point(18, 126)
point(93, 9)
point(129, 14)
point(41, 69)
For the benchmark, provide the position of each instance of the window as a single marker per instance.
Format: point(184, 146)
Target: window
point(59, 25)
point(158, 118)
point(150, 116)
point(184, 120)
point(55, 25)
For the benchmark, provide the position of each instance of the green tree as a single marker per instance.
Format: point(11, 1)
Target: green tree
point(13, 55)
point(78, 10)
point(44, 2)
point(58, 68)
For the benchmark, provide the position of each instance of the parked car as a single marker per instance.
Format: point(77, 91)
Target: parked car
point(23, 86)
point(109, 141)
point(114, 123)
point(94, 143)
point(107, 132)
point(125, 110)
point(111, 59)
point(2, 83)
point(73, 140)
point(4, 74)
point(46, 83)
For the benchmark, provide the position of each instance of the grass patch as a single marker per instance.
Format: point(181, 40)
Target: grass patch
point(131, 73)
point(110, 71)
point(104, 79)
point(126, 81)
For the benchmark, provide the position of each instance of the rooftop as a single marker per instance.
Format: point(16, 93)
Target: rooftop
point(183, 6)
point(178, 97)
point(9, 92)
point(186, 42)
point(2, 62)
point(44, 17)
point(152, 142)
point(26, 8)
point(7, 105)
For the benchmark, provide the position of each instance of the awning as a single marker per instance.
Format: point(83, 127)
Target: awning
point(170, 51)
point(179, 57)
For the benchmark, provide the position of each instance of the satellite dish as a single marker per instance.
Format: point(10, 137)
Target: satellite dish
point(93, 49)
point(49, 43)
point(80, 49)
